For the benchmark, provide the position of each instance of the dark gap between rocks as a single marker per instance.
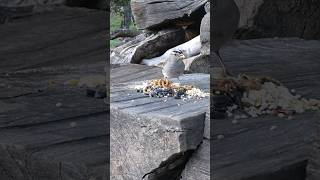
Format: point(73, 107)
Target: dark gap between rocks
point(91, 4)
point(295, 171)
point(170, 169)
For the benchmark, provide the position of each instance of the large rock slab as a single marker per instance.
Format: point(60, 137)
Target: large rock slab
point(33, 5)
point(149, 135)
point(154, 13)
point(19, 3)
point(273, 18)
point(147, 45)
point(313, 170)
point(56, 42)
point(265, 147)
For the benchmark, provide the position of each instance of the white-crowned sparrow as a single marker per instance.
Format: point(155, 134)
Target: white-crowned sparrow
point(174, 66)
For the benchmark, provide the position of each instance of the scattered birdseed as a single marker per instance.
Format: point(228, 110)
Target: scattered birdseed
point(164, 88)
point(260, 96)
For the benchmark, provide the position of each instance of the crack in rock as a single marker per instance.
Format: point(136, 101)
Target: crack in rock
point(170, 169)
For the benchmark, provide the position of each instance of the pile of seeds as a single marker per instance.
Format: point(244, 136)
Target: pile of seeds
point(247, 96)
point(164, 88)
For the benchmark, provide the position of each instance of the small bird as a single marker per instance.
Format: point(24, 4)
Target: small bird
point(174, 66)
point(226, 17)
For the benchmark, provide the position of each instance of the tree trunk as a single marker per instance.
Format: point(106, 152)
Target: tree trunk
point(127, 14)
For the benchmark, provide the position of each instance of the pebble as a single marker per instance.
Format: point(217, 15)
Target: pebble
point(273, 128)
point(73, 124)
point(219, 137)
point(58, 104)
point(234, 121)
point(281, 115)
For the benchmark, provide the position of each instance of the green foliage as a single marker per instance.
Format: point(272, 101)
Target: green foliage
point(116, 5)
point(116, 18)
point(114, 43)
point(115, 21)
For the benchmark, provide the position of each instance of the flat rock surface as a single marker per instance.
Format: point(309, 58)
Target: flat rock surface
point(63, 36)
point(257, 147)
point(148, 131)
point(49, 129)
point(313, 170)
